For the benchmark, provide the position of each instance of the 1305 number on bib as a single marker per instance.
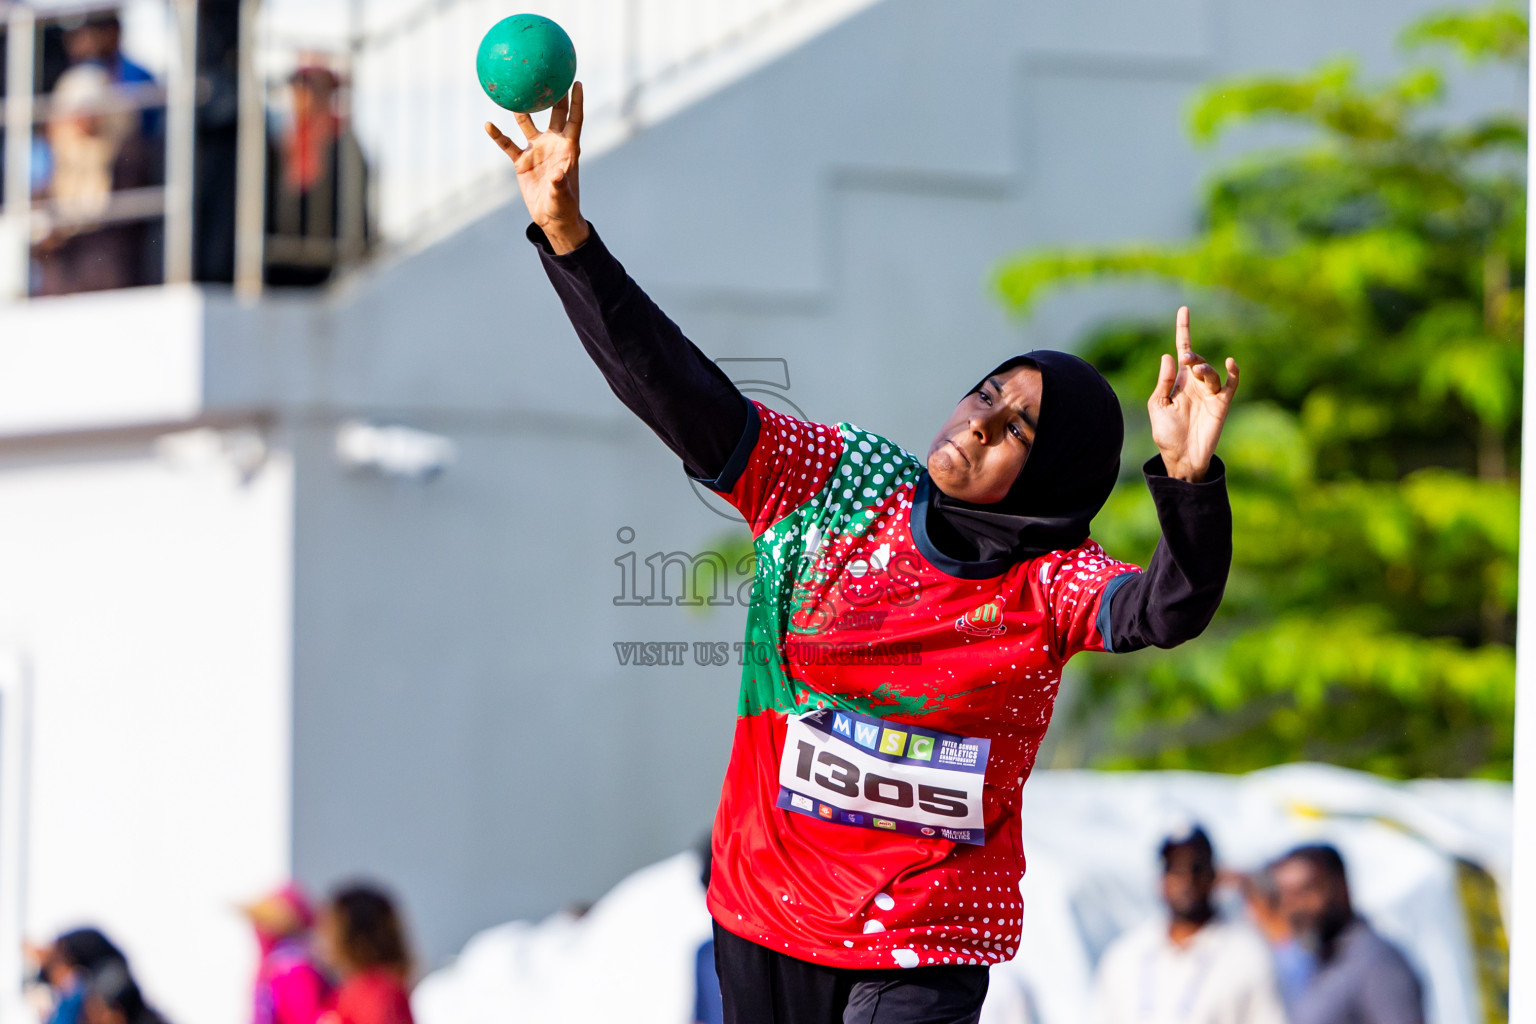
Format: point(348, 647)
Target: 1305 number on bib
point(853, 769)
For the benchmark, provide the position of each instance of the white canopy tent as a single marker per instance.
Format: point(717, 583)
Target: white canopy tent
point(1428, 861)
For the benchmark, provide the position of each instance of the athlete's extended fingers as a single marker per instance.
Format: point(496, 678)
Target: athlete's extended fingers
point(507, 145)
point(557, 115)
point(1181, 335)
point(1206, 374)
point(1167, 373)
point(530, 130)
point(572, 129)
point(1231, 388)
point(578, 112)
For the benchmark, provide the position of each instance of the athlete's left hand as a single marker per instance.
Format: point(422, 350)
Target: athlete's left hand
point(1189, 406)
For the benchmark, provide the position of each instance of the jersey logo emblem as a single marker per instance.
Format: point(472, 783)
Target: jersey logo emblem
point(984, 620)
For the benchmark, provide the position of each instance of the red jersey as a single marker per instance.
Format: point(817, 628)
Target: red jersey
point(891, 708)
point(374, 996)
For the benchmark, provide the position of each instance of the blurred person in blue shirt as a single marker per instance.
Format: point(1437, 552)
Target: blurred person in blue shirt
point(708, 1004)
point(66, 967)
point(97, 38)
point(1294, 963)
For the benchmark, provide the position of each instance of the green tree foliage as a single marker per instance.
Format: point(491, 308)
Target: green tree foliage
point(1369, 282)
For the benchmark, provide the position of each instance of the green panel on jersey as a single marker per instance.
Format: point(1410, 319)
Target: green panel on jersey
point(789, 580)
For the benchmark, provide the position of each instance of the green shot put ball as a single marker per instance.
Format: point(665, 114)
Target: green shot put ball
point(526, 63)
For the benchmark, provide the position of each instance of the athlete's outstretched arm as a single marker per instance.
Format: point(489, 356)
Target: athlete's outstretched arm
point(653, 369)
point(1174, 600)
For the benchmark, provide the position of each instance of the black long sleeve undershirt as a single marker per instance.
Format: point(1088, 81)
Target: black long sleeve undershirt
point(691, 404)
point(1173, 601)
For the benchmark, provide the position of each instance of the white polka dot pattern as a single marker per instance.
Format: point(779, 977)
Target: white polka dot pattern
point(789, 464)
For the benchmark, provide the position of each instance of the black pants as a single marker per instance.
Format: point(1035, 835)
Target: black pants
point(762, 986)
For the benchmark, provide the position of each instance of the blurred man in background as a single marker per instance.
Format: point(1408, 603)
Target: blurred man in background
point(1190, 967)
point(97, 38)
point(307, 162)
point(1361, 978)
point(289, 986)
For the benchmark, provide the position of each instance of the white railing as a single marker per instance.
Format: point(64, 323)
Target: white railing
point(409, 96)
point(417, 106)
point(26, 219)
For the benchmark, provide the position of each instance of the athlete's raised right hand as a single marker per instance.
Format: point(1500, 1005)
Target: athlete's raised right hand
point(546, 171)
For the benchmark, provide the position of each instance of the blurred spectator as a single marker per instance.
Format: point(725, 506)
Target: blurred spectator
point(708, 1003)
point(362, 941)
point(97, 148)
point(306, 163)
point(1294, 964)
point(65, 967)
point(289, 986)
point(113, 997)
point(97, 38)
point(1361, 978)
point(1190, 967)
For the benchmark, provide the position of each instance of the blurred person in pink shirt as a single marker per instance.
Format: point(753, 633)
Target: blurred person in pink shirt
point(363, 942)
point(289, 986)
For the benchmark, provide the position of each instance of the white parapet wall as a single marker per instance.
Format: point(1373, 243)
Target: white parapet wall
point(90, 362)
point(145, 624)
point(144, 591)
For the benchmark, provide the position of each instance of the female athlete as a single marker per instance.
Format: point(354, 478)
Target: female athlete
point(909, 621)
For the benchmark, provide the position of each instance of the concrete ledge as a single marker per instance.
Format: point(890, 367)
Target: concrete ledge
point(100, 361)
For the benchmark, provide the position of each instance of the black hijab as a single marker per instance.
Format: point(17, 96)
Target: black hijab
point(1070, 471)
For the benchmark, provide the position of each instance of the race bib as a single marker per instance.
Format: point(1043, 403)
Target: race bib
point(853, 769)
